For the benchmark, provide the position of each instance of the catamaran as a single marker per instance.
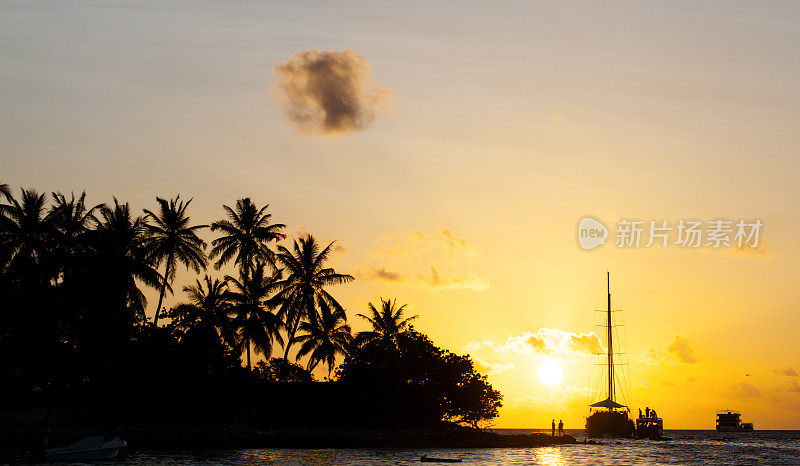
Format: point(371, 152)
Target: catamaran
point(608, 417)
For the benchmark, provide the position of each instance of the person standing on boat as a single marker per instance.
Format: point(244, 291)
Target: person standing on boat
point(646, 411)
point(560, 427)
point(640, 413)
point(553, 428)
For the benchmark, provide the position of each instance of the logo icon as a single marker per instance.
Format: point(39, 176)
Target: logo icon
point(591, 233)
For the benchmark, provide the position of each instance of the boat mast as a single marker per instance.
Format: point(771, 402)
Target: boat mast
point(610, 343)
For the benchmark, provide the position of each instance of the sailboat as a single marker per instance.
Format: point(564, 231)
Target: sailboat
point(609, 417)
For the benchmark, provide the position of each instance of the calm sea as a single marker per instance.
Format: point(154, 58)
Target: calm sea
point(686, 446)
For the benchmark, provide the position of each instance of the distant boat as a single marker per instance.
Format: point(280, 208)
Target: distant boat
point(88, 449)
point(729, 420)
point(609, 418)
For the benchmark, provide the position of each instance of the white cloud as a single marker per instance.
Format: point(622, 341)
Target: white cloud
point(552, 341)
point(486, 367)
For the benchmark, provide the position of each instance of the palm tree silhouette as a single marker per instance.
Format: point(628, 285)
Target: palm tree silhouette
point(71, 220)
point(303, 289)
point(387, 323)
point(5, 191)
point(245, 236)
point(173, 240)
point(119, 239)
point(25, 231)
point(325, 338)
point(208, 305)
point(255, 325)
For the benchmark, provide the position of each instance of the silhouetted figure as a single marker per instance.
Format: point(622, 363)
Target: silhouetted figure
point(640, 413)
point(553, 428)
point(653, 412)
point(560, 427)
point(646, 411)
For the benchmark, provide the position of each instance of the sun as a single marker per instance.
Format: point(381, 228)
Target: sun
point(550, 373)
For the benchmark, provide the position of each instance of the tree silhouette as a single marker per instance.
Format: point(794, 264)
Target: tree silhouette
point(207, 305)
point(326, 337)
point(246, 235)
point(5, 191)
point(255, 325)
point(173, 240)
point(71, 221)
point(417, 382)
point(25, 232)
point(387, 323)
point(119, 239)
point(303, 290)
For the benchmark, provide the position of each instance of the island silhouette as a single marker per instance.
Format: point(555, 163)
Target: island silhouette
point(79, 356)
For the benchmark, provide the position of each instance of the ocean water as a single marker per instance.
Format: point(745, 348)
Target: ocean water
point(685, 447)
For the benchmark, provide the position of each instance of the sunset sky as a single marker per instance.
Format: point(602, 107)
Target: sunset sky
point(497, 127)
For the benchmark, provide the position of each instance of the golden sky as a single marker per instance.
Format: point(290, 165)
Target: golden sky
point(498, 127)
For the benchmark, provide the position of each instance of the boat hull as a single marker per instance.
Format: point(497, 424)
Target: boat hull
point(652, 428)
point(104, 454)
point(609, 423)
point(88, 449)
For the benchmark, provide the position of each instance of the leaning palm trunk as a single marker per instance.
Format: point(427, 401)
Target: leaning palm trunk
point(290, 340)
point(163, 290)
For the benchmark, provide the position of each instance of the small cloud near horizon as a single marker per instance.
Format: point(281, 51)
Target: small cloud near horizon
point(438, 261)
point(329, 92)
point(743, 391)
point(788, 372)
point(382, 274)
point(762, 251)
point(436, 280)
point(488, 368)
point(545, 341)
point(679, 351)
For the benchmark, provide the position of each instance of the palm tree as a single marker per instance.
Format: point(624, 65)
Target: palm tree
point(71, 221)
point(328, 337)
point(256, 326)
point(303, 290)
point(119, 241)
point(387, 323)
point(173, 240)
point(5, 191)
point(246, 235)
point(208, 305)
point(25, 230)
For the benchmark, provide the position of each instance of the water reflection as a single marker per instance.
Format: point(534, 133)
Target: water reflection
point(765, 447)
point(549, 455)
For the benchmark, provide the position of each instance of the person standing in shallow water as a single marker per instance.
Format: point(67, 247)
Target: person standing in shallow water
point(553, 428)
point(560, 427)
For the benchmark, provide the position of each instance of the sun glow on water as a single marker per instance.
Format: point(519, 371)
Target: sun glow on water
point(550, 373)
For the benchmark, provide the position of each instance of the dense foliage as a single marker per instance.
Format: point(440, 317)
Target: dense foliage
point(74, 327)
point(417, 382)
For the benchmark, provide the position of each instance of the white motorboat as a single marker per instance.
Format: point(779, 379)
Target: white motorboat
point(90, 448)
